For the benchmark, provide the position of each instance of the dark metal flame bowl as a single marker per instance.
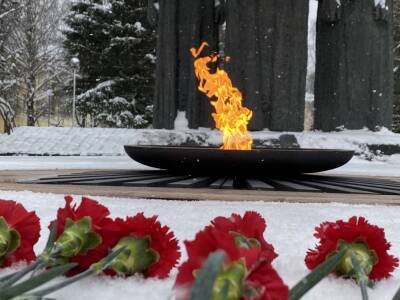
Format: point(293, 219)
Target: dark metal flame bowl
point(206, 160)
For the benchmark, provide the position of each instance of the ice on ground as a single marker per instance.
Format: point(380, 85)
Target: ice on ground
point(290, 230)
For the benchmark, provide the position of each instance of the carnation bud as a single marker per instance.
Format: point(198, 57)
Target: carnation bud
point(365, 257)
point(10, 239)
point(77, 238)
point(136, 258)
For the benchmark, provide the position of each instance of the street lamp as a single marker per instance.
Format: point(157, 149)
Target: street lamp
point(75, 66)
point(50, 94)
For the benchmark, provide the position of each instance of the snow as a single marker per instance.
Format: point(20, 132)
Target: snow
point(181, 122)
point(110, 141)
point(387, 166)
point(312, 20)
point(99, 87)
point(139, 27)
point(290, 230)
point(19, 163)
point(309, 98)
point(381, 3)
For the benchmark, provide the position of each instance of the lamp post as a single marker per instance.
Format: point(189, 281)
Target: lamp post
point(75, 66)
point(49, 95)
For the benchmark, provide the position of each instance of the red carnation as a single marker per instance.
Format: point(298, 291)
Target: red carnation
point(251, 227)
point(265, 279)
point(369, 239)
point(258, 275)
point(152, 249)
point(20, 231)
point(102, 232)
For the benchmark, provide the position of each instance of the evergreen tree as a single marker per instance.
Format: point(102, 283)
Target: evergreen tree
point(132, 53)
point(87, 37)
point(117, 54)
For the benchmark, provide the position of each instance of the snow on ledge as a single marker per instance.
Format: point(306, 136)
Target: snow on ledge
point(110, 142)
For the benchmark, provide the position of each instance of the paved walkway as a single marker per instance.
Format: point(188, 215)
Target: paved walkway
point(9, 181)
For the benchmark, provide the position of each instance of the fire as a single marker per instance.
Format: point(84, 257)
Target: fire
point(230, 117)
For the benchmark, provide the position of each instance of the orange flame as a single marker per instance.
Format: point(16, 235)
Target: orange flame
point(230, 117)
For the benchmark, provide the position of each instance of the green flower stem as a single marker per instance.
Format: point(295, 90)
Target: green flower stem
point(10, 279)
point(52, 236)
point(206, 276)
point(94, 269)
point(32, 283)
point(362, 277)
point(31, 297)
point(15, 277)
point(320, 272)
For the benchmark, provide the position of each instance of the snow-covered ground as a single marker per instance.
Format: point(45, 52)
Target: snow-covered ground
point(110, 142)
point(386, 166)
point(290, 230)
point(69, 163)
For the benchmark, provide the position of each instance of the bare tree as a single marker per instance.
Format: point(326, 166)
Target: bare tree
point(34, 54)
point(8, 10)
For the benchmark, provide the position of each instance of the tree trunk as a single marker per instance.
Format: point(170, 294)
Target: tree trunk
point(267, 41)
point(30, 112)
point(182, 25)
point(354, 65)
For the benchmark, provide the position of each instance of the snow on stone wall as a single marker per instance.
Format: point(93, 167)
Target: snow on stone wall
point(110, 142)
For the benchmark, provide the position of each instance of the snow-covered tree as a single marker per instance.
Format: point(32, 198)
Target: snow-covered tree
point(8, 10)
point(116, 49)
point(86, 37)
point(132, 53)
point(34, 54)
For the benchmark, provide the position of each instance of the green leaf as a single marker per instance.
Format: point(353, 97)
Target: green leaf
point(52, 236)
point(34, 282)
point(308, 282)
point(206, 276)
